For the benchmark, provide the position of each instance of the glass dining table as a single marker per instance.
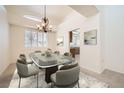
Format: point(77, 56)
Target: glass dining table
point(50, 63)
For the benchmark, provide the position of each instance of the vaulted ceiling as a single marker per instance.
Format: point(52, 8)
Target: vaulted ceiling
point(55, 13)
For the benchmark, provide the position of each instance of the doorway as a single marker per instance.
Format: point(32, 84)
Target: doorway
point(74, 42)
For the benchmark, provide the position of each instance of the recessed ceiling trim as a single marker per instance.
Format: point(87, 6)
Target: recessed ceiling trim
point(30, 17)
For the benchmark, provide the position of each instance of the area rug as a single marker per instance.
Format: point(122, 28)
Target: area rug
point(85, 81)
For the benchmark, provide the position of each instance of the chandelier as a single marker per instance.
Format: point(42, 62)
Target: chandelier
point(44, 26)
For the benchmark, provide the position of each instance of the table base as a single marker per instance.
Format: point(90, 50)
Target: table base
point(48, 72)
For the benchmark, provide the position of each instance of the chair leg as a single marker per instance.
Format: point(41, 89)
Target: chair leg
point(19, 82)
point(52, 85)
point(78, 85)
point(37, 80)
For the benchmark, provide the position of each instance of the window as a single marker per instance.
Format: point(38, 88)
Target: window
point(35, 39)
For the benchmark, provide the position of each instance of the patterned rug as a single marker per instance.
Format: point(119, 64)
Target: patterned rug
point(85, 81)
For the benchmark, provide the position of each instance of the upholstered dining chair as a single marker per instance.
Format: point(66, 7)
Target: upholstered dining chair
point(67, 76)
point(57, 52)
point(67, 54)
point(38, 51)
point(25, 71)
point(23, 57)
point(49, 50)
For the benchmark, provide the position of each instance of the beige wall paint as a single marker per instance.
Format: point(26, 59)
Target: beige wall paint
point(17, 42)
point(4, 40)
point(90, 56)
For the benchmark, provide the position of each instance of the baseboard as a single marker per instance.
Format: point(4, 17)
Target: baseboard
point(85, 70)
point(95, 71)
point(114, 70)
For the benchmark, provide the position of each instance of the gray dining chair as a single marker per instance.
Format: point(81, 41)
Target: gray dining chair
point(23, 57)
point(49, 50)
point(67, 54)
point(38, 51)
point(57, 52)
point(67, 76)
point(25, 71)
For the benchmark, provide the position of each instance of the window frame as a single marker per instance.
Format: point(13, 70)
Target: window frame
point(44, 37)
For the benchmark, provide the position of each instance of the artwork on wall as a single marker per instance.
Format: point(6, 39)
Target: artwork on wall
point(90, 37)
point(60, 41)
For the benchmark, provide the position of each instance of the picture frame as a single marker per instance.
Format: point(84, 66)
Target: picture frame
point(90, 37)
point(60, 41)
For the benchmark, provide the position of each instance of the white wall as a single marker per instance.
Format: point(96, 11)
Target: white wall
point(109, 51)
point(90, 56)
point(17, 42)
point(73, 21)
point(112, 24)
point(4, 40)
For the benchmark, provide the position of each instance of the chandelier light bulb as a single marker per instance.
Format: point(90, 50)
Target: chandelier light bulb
point(40, 28)
point(50, 26)
point(43, 24)
point(37, 25)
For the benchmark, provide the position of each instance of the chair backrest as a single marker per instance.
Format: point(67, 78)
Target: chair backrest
point(38, 51)
point(22, 57)
point(57, 52)
point(22, 68)
point(68, 66)
point(49, 50)
point(67, 54)
point(67, 77)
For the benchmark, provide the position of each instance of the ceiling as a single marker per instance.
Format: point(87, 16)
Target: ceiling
point(85, 10)
point(55, 13)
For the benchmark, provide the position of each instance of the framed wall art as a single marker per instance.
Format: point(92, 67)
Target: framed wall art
point(90, 37)
point(60, 41)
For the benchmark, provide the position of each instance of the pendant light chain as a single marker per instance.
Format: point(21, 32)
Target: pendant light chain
point(44, 10)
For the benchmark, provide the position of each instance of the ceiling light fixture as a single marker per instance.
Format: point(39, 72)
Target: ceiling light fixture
point(44, 26)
